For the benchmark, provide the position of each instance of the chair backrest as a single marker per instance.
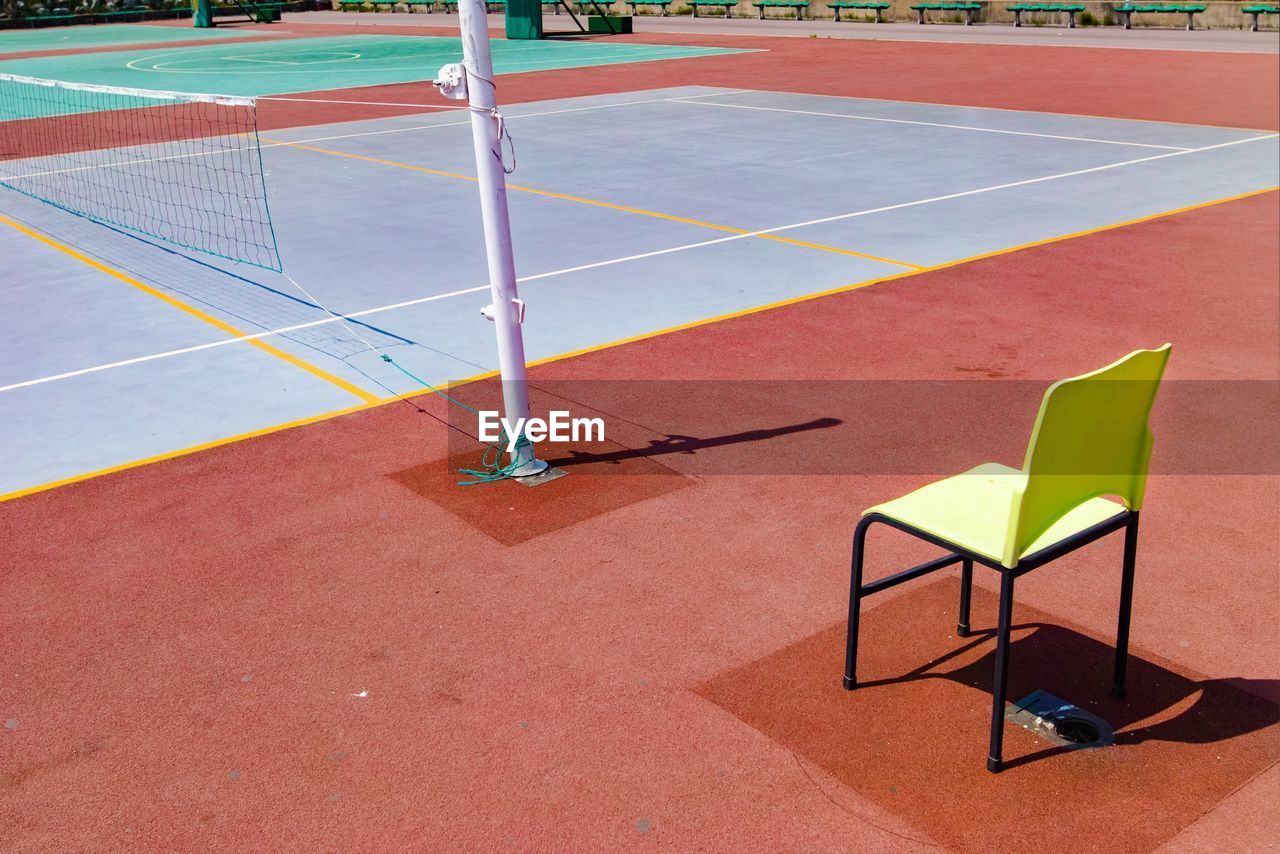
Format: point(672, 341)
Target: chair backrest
point(1091, 438)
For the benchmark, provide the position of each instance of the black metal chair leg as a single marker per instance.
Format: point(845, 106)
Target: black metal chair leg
point(966, 591)
point(1126, 606)
point(995, 753)
point(855, 605)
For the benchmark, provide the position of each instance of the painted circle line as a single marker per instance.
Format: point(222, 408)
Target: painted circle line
point(156, 62)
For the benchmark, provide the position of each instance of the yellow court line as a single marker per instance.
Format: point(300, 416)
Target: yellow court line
point(824, 248)
point(169, 455)
point(595, 348)
point(193, 311)
point(31, 490)
point(728, 229)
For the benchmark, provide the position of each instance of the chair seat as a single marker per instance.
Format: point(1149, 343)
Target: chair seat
point(972, 511)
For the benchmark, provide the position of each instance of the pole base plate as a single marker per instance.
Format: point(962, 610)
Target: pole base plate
point(547, 475)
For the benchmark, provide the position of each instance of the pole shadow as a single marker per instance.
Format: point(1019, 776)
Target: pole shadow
point(680, 444)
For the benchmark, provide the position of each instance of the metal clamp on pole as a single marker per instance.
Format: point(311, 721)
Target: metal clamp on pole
point(451, 80)
point(487, 311)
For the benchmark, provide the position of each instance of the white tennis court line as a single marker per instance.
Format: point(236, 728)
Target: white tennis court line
point(232, 149)
point(259, 61)
point(636, 257)
point(930, 124)
point(505, 114)
point(685, 99)
point(284, 330)
point(1012, 184)
point(696, 99)
point(1016, 110)
point(118, 163)
point(640, 53)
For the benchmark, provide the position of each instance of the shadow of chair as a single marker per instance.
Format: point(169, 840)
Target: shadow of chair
point(1219, 709)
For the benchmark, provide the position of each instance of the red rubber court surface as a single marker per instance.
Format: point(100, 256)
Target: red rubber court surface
point(1240, 90)
point(311, 639)
point(279, 638)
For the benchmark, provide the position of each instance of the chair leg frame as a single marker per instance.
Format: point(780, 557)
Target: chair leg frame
point(966, 594)
point(855, 605)
point(1004, 623)
point(1120, 672)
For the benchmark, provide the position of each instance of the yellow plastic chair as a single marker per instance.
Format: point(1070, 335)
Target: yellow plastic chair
point(1090, 439)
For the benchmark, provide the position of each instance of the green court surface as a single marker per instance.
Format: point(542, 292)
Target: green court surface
point(306, 65)
point(105, 35)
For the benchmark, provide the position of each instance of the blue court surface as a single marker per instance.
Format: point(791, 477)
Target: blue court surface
point(631, 213)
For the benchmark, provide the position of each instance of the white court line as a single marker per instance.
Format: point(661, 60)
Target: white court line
point(690, 99)
point(284, 330)
point(636, 257)
point(230, 150)
point(1012, 184)
point(1018, 110)
point(505, 115)
point(68, 170)
point(355, 314)
point(644, 53)
point(679, 99)
point(931, 124)
point(263, 61)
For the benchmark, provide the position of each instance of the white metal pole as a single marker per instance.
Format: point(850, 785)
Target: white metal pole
point(507, 310)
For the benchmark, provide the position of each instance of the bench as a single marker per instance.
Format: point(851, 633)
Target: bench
point(258, 13)
point(583, 6)
point(798, 5)
point(878, 7)
point(661, 4)
point(358, 5)
point(430, 4)
point(264, 13)
point(727, 5)
point(967, 8)
point(450, 5)
point(1126, 11)
point(1070, 8)
point(1255, 11)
